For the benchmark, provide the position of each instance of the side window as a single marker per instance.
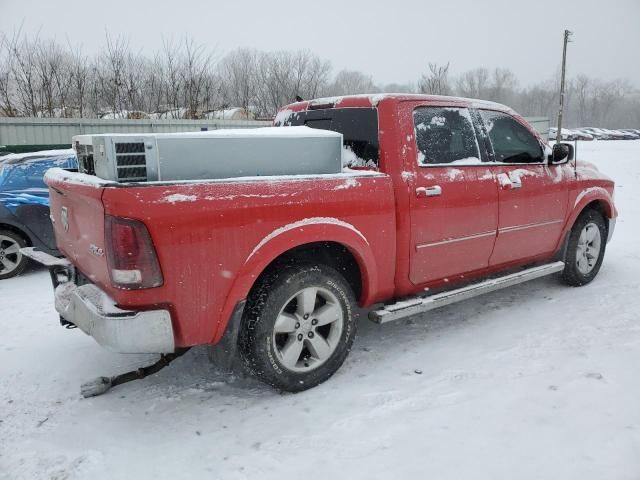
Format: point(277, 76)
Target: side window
point(511, 141)
point(445, 135)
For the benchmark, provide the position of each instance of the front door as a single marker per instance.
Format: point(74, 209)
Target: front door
point(454, 197)
point(533, 195)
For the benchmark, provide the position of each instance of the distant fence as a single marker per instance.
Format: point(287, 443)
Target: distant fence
point(25, 134)
point(18, 134)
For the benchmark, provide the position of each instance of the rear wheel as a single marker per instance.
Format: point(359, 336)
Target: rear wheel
point(585, 250)
point(12, 262)
point(298, 327)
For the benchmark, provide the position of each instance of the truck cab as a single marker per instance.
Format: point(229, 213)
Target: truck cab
point(477, 188)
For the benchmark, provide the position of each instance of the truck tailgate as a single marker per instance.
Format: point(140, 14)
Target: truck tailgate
point(78, 221)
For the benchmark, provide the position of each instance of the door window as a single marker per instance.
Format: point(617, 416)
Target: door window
point(512, 142)
point(445, 135)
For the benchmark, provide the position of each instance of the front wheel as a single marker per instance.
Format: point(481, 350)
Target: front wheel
point(585, 250)
point(298, 327)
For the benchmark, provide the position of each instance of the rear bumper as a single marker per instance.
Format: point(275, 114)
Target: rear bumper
point(123, 331)
point(95, 313)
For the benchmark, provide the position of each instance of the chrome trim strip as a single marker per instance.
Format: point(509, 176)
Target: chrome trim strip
point(529, 225)
point(458, 239)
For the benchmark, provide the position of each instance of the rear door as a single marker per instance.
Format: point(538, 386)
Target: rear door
point(454, 199)
point(533, 195)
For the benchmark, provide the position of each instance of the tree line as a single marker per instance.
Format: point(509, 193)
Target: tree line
point(48, 78)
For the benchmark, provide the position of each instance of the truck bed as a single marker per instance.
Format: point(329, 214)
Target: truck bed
point(219, 231)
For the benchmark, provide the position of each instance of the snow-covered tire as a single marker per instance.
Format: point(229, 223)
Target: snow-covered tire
point(12, 262)
point(298, 326)
point(585, 249)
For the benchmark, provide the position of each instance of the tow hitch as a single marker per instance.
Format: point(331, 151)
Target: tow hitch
point(103, 384)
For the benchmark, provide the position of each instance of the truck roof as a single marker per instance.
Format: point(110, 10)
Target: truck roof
point(369, 100)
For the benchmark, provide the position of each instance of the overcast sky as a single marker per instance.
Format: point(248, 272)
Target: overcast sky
point(392, 40)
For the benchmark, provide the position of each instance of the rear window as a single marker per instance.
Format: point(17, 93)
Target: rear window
point(358, 126)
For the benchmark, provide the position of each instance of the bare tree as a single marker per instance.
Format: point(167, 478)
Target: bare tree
point(436, 82)
point(23, 53)
point(110, 70)
point(582, 87)
point(80, 77)
point(7, 108)
point(196, 71)
point(349, 82)
point(474, 83)
point(282, 76)
point(238, 71)
point(504, 83)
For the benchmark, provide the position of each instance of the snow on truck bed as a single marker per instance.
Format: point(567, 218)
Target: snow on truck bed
point(538, 381)
point(61, 175)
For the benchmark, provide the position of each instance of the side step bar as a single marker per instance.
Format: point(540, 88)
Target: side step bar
point(415, 305)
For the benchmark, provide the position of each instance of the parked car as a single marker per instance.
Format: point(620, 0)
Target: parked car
point(634, 132)
point(446, 191)
point(616, 135)
point(24, 206)
point(566, 134)
point(624, 135)
point(599, 133)
point(569, 134)
point(578, 134)
point(595, 133)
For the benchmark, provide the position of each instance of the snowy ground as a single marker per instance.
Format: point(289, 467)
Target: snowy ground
point(539, 381)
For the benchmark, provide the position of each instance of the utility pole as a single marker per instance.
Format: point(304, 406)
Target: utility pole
point(567, 34)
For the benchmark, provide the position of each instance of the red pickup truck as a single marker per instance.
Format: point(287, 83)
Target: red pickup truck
point(446, 198)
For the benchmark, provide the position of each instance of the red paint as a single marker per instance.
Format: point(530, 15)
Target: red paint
point(211, 250)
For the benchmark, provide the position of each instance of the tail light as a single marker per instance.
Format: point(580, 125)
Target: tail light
point(132, 259)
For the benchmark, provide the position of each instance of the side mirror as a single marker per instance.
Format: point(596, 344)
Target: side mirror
point(561, 153)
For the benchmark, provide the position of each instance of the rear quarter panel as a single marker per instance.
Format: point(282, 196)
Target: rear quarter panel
point(214, 239)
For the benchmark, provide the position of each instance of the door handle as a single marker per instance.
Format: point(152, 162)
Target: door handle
point(434, 191)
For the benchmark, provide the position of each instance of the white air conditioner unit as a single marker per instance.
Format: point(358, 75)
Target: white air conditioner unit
point(209, 155)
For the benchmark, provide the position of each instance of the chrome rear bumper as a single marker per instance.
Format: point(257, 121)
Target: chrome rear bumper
point(96, 314)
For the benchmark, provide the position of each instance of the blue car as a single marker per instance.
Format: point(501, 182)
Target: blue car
point(24, 206)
